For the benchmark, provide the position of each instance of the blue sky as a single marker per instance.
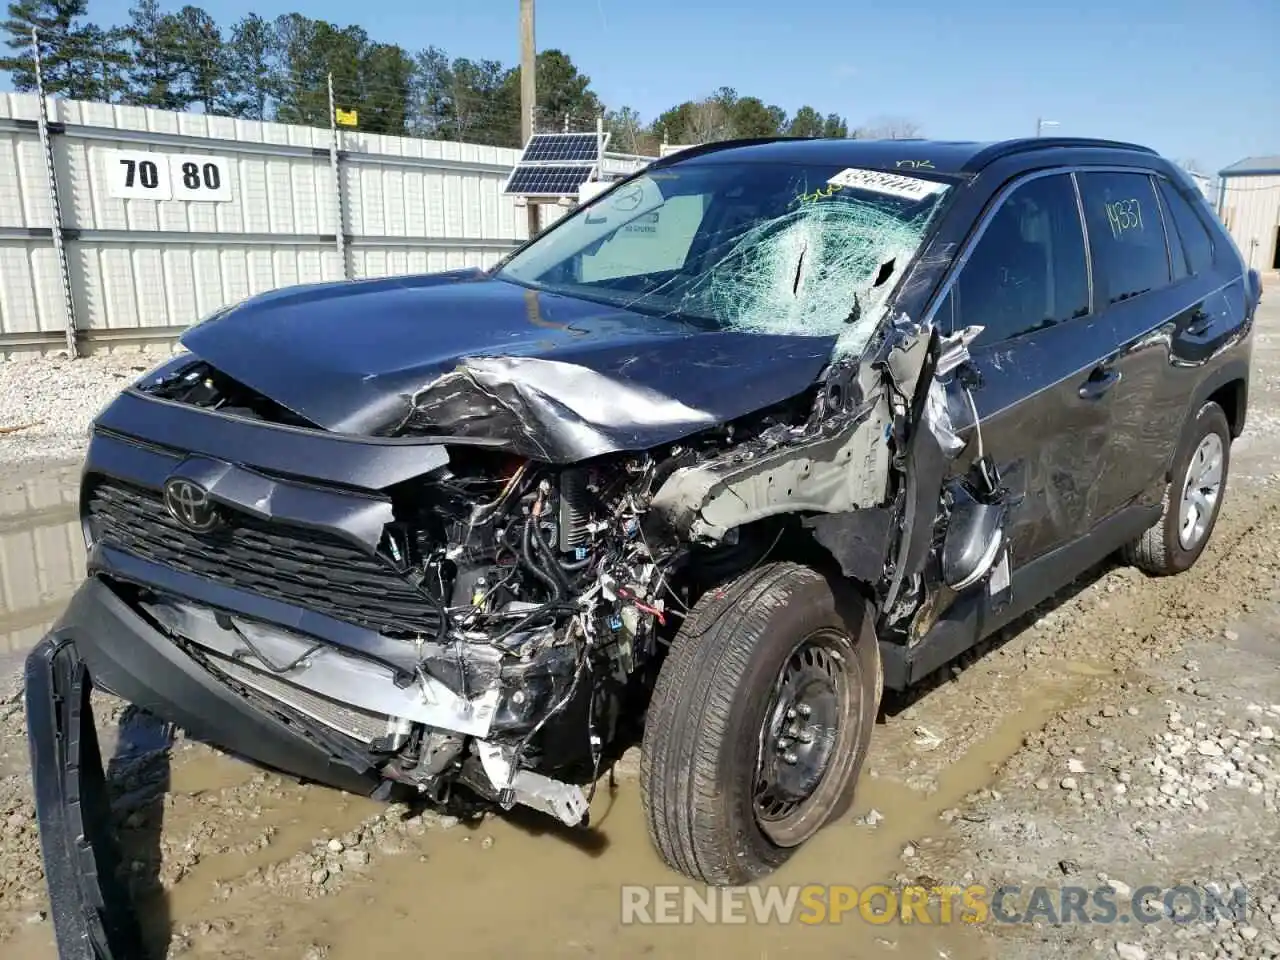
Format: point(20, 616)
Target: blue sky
point(1194, 80)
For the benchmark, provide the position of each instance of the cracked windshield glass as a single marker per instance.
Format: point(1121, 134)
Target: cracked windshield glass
point(774, 248)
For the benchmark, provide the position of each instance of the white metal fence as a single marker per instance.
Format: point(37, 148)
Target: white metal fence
point(167, 216)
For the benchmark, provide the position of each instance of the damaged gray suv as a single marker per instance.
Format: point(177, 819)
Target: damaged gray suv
point(755, 434)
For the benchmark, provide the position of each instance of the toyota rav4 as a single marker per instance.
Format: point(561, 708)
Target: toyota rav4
point(756, 433)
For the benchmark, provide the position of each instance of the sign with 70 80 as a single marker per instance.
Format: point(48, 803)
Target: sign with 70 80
point(142, 175)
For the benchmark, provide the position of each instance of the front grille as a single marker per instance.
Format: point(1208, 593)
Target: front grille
point(292, 564)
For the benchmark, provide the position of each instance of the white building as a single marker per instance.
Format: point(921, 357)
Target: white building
point(1249, 205)
point(1203, 184)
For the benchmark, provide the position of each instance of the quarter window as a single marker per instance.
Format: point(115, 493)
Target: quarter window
point(1028, 270)
point(1126, 235)
point(1196, 241)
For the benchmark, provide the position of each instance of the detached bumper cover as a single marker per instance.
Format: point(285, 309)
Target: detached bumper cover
point(100, 641)
point(93, 918)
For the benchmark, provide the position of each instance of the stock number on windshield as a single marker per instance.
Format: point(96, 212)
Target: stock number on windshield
point(1124, 215)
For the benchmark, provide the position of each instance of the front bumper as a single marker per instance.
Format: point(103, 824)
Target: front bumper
point(93, 918)
point(127, 656)
point(100, 641)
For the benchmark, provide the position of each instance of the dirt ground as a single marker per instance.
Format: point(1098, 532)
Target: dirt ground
point(1125, 735)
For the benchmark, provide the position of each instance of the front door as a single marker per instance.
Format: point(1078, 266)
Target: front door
point(1042, 396)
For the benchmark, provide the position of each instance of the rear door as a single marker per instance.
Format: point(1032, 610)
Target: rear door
point(1145, 286)
point(1042, 396)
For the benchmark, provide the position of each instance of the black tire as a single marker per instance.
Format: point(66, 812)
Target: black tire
point(704, 738)
point(1160, 551)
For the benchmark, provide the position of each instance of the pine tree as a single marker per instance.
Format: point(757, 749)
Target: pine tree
point(253, 68)
point(64, 45)
point(156, 78)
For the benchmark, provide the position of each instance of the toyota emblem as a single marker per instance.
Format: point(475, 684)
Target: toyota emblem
point(189, 504)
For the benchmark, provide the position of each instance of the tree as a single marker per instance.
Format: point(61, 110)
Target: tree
point(203, 74)
point(835, 126)
point(66, 46)
point(160, 68)
point(625, 129)
point(749, 117)
point(252, 68)
point(310, 51)
point(709, 121)
point(806, 123)
point(429, 106)
point(562, 90)
point(888, 128)
point(386, 77)
point(338, 52)
point(104, 73)
point(673, 125)
point(483, 104)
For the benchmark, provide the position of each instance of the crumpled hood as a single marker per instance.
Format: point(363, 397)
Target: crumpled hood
point(352, 356)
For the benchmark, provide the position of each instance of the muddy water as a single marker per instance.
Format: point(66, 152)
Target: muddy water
point(520, 886)
point(41, 558)
point(516, 885)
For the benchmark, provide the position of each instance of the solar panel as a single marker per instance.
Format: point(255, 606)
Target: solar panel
point(562, 148)
point(548, 180)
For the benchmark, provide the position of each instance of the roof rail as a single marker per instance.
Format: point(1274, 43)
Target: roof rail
point(1006, 148)
point(700, 149)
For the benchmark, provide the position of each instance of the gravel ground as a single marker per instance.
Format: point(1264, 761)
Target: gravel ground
point(1125, 734)
point(47, 403)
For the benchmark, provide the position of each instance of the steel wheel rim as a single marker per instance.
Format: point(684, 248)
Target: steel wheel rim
point(808, 729)
point(1201, 491)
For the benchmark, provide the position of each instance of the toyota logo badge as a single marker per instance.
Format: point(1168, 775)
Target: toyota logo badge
point(189, 504)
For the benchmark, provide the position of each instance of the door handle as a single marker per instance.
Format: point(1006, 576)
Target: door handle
point(1100, 381)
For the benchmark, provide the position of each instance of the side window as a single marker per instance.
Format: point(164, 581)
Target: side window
point(1028, 270)
point(944, 317)
point(1196, 240)
point(1126, 235)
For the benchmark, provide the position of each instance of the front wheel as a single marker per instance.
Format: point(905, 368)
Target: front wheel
point(759, 722)
point(1192, 500)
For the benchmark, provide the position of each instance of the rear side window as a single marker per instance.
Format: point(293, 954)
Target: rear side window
point(1126, 235)
point(1196, 241)
point(1028, 270)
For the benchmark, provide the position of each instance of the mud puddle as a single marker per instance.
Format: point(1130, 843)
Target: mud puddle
point(41, 558)
point(521, 885)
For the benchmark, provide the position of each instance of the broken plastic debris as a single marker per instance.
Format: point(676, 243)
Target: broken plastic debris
point(938, 418)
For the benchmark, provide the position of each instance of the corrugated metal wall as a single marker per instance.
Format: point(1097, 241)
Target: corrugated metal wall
point(1251, 211)
point(142, 268)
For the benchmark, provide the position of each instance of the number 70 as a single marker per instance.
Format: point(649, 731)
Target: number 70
point(145, 173)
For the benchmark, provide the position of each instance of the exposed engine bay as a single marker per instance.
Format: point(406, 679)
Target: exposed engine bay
point(554, 590)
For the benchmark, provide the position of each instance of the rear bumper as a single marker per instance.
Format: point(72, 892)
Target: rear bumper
point(127, 656)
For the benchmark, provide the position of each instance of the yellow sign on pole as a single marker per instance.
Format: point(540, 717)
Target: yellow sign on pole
point(346, 118)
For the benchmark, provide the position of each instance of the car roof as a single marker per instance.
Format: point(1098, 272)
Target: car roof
point(957, 157)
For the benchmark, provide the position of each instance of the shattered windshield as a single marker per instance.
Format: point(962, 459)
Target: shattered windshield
point(778, 248)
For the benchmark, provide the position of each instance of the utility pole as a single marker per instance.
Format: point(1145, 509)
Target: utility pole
point(528, 90)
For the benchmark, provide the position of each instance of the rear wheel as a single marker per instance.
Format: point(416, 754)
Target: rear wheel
point(759, 723)
point(1192, 499)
